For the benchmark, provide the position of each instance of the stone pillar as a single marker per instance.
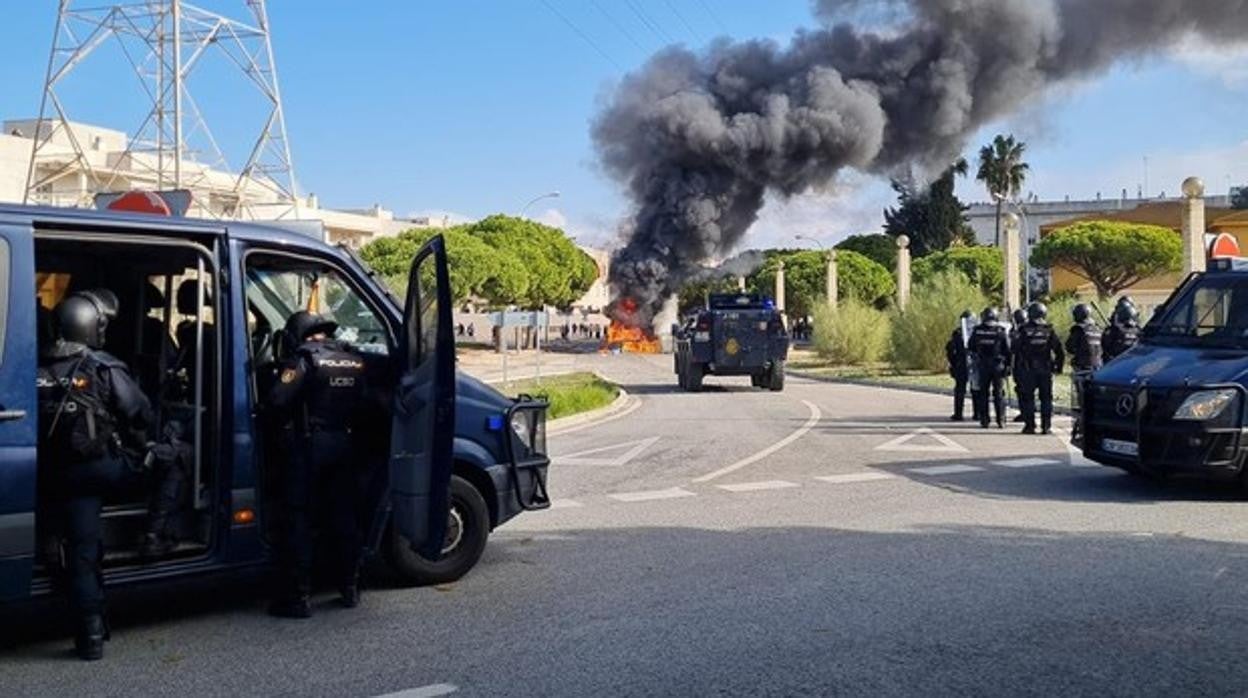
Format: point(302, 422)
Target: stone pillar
point(833, 281)
point(1193, 225)
point(741, 284)
point(780, 286)
point(903, 271)
point(1010, 251)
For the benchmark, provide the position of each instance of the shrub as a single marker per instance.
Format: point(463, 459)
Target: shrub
point(920, 331)
point(852, 333)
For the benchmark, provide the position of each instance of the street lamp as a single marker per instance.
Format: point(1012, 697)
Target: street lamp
point(810, 239)
point(549, 195)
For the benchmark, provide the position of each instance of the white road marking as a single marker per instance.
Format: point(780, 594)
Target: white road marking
point(649, 495)
point(902, 443)
point(758, 486)
point(1077, 460)
point(945, 469)
point(855, 477)
point(815, 416)
point(433, 689)
point(633, 449)
point(565, 504)
point(1025, 462)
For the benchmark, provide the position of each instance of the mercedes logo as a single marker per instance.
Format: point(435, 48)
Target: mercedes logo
point(1126, 405)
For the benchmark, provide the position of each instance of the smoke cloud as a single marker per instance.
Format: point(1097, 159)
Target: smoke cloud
point(699, 140)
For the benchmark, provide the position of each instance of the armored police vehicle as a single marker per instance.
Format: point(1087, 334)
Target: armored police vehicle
point(1177, 403)
point(737, 334)
point(202, 304)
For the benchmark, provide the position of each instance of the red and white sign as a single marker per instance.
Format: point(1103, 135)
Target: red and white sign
point(1223, 245)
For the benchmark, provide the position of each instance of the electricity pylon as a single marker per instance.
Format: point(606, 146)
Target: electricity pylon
point(163, 41)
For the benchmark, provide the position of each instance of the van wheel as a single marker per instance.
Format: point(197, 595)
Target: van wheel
point(775, 377)
point(466, 535)
point(693, 377)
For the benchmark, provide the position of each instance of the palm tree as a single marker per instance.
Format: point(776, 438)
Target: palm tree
point(1002, 170)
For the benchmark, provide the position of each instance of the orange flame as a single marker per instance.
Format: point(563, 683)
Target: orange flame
point(632, 340)
point(625, 334)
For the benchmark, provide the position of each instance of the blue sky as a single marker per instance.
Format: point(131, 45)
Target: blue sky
point(475, 106)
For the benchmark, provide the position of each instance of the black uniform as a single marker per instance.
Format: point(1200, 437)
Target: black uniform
point(318, 396)
point(1119, 337)
point(1040, 355)
point(991, 348)
point(955, 353)
point(1084, 346)
point(90, 409)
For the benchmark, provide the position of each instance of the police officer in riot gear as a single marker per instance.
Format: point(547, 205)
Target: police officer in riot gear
point(1084, 342)
point(318, 399)
point(959, 369)
point(991, 348)
point(1039, 355)
point(1123, 332)
point(90, 412)
point(1017, 319)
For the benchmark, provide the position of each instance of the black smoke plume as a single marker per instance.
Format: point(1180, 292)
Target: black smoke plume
point(698, 140)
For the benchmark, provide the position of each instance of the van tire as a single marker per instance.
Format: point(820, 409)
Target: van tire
point(775, 377)
point(472, 513)
point(693, 377)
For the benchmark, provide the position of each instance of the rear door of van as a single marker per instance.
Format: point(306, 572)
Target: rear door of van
point(18, 356)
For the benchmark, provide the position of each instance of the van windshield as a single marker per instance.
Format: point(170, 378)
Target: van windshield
point(1214, 310)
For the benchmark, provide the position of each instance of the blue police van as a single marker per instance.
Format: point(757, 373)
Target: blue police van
point(202, 304)
point(1177, 403)
point(736, 334)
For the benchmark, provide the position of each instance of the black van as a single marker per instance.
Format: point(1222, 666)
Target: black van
point(1177, 403)
point(201, 304)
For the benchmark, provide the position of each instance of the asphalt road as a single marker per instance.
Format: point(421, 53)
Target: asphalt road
point(827, 540)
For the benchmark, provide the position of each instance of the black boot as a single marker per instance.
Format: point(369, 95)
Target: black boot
point(349, 594)
point(89, 639)
point(294, 606)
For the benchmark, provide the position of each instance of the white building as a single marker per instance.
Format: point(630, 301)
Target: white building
point(108, 166)
point(1037, 214)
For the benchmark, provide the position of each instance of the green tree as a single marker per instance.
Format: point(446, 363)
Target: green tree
point(1002, 170)
point(1111, 255)
point(878, 247)
point(932, 217)
point(806, 279)
point(476, 269)
point(558, 271)
point(982, 266)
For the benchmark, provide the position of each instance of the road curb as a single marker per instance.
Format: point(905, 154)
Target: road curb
point(622, 402)
point(868, 383)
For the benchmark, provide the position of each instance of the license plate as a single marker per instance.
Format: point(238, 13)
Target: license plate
point(701, 336)
point(1121, 448)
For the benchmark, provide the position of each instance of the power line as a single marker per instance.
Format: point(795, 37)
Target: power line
point(693, 33)
point(714, 16)
point(583, 35)
point(620, 27)
point(654, 27)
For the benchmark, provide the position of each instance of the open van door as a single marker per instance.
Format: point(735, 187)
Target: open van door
point(18, 407)
point(423, 428)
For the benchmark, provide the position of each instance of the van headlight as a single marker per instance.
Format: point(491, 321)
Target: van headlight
point(1204, 405)
point(521, 427)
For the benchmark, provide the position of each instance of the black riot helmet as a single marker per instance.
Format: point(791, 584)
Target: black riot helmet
point(304, 324)
point(83, 318)
point(989, 315)
point(1037, 311)
point(1019, 317)
point(1081, 312)
point(1126, 314)
point(1124, 301)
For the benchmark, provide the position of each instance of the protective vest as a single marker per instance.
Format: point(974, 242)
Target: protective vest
point(334, 388)
point(986, 342)
point(1119, 338)
point(1035, 352)
point(75, 424)
point(1085, 346)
